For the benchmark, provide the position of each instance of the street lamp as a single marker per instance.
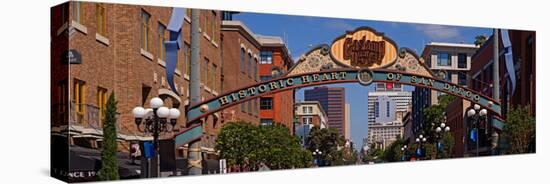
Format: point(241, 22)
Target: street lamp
point(477, 115)
point(317, 154)
point(420, 140)
point(440, 130)
point(404, 149)
point(155, 121)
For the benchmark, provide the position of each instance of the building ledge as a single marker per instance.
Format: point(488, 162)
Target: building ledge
point(206, 36)
point(215, 44)
point(186, 18)
point(146, 54)
point(161, 62)
point(102, 39)
point(79, 27)
point(62, 28)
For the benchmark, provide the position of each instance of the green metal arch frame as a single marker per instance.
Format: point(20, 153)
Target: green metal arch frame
point(346, 75)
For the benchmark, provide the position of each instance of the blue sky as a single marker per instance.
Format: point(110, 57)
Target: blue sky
point(302, 32)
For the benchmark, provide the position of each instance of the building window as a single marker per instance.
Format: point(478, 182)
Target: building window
point(444, 59)
point(462, 60)
point(250, 65)
point(101, 103)
point(266, 122)
point(204, 73)
point(255, 106)
point(62, 87)
point(265, 77)
point(243, 64)
point(213, 75)
point(187, 58)
point(188, 12)
point(266, 103)
point(387, 108)
point(77, 9)
point(307, 120)
point(145, 17)
point(79, 98)
point(161, 39)
point(249, 103)
point(380, 86)
point(213, 26)
point(449, 76)
point(307, 109)
point(266, 57)
point(255, 69)
point(376, 106)
point(101, 19)
point(205, 24)
point(462, 78)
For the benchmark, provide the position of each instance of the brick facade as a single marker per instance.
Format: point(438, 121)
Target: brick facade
point(117, 61)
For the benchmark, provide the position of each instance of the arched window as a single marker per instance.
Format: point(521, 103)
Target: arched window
point(255, 69)
point(242, 60)
point(249, 65)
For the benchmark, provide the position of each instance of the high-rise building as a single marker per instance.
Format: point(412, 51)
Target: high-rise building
point(447, 61)
point(332, 99)
point(347, 124)
point(385, 101)
point(381, 135)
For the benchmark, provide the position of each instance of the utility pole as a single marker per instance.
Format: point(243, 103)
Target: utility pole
point(496, 77)
point(195, 157)
point(496, 80)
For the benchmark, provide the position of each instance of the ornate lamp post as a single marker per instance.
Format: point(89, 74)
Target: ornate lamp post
point(476, 116)
point(317, 154)
point(404, 149)
point(420, 140)
point(440, 130)
point(155, 120)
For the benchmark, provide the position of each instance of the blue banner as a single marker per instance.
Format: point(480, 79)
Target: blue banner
point(173, 45)
point(509, 58)
point(148, 149)
point(473, 135)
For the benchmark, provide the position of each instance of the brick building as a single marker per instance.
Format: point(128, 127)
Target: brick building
point(275, 59)
point(448, 61)
point(481, 73)
point(240, 54)
point(121, 51)
point(309, 114)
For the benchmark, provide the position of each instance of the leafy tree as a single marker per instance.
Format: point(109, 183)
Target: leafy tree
point(519, 131)
point(237, 142)
point(375, 155)
point(434, 115)
point(279, 150)
point(448, 143)
point(393, 152)
point(109, 164)
point(480, 40)
point(327, 140)
point(244, 144)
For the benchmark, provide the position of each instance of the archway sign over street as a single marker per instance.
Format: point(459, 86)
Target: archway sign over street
point(362, 56)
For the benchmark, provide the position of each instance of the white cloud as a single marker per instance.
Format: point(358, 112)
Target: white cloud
point(438, 32)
